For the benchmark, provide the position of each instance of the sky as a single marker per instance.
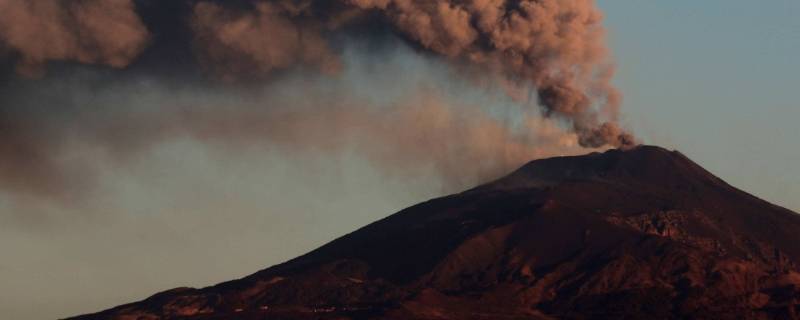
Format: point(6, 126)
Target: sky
point(716, 80)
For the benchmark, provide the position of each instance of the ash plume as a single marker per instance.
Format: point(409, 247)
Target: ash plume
point(57, 144)
point(107, 32)
point(548, 56)
point(261, 40)
point(555, 46)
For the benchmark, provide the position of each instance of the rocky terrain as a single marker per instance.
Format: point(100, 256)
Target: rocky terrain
point(638, 234)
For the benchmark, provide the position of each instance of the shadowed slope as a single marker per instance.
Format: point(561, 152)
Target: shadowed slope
point(641, 233)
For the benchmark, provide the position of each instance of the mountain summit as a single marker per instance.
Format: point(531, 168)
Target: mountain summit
point(640, 233)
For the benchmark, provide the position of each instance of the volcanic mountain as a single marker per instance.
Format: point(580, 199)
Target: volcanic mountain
point(640, 233)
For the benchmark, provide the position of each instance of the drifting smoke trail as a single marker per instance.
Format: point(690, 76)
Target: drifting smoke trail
point(556, 46)
point(415, 127)
point(544, 52)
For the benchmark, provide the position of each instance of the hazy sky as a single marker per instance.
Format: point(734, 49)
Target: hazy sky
point(716, 80)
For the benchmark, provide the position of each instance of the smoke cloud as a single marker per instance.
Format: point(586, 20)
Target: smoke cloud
point(57, 144)
point(548, 55)
point(555, 46)
point(107, 32)
point(260, 40)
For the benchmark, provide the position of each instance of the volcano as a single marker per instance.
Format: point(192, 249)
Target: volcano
point(625, 234)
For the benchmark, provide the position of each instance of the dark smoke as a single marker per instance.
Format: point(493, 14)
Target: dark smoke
point(107, 32)
point(555, 47)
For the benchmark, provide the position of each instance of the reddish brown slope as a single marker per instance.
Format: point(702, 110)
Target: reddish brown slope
point(644, 233)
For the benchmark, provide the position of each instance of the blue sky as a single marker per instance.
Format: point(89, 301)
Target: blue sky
point(717, 80)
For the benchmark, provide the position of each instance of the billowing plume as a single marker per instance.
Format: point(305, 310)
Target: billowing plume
point(548, 54)
point(555, 46)
point(107, 32)
point(261, 40)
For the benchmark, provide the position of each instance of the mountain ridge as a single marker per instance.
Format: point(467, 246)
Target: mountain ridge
point(637, 233)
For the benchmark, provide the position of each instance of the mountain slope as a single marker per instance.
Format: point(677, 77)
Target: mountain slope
point(643, 233)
